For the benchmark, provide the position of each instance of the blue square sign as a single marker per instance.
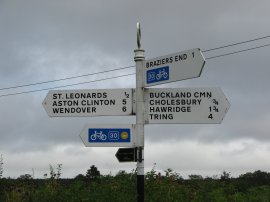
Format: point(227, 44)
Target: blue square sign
point(157, 75)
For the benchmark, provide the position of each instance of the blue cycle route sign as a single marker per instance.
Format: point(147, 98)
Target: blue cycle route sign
point(109, 135)
point(99, 135)
point(157, 75)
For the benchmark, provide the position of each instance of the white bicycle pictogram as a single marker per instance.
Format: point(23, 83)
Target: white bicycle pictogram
point(98, 135)
point(162, 74)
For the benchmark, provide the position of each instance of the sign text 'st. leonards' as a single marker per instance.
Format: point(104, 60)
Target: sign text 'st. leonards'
point(89, 102)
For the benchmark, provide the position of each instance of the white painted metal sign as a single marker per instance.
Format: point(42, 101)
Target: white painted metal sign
point(92, 102)
point(174, 67)
point(108, 135)
point(185, 105)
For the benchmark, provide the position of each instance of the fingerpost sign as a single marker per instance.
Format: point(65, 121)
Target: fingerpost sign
point(88, 102)
point(173, 67)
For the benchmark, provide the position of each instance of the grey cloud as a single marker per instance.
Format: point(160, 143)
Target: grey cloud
point(44, 40)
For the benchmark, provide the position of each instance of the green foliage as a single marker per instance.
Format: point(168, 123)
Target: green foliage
point(225, 176)
point(53, 174)
point(1, 166)
point(25, 177)
point(163, 188)
point(58, 171)
point(170, 187)
point(93, 173)
point(256, 178)
point(195, 177)
point(80, 177)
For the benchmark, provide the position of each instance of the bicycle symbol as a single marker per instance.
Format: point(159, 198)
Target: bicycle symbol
point(162, 74)
point(98, 135)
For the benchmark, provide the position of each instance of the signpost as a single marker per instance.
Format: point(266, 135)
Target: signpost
point(185, 105)
point(174, 67)
point(126, 155)
point(94, 102)
point(108, 135)
point(151, 105)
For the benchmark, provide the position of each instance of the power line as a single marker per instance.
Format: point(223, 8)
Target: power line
point(235, 52)
point(74, 84)
point(62, 79)
point(234, 44)
point(208, 58)
point(108, 78)
point(111, 70)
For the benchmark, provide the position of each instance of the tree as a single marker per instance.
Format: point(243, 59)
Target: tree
point(53, 174)
point(92, 173)
point(59, 169)
point(25, 177)
point(256, 178)
point(80, 177)
point(1, 166)
point(225, 176)
point(172, 175)
point(195, 177)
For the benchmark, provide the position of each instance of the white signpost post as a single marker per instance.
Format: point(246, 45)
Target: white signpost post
point(108, 135)
point(93, 102)
point(185, 105)
point(174, 67)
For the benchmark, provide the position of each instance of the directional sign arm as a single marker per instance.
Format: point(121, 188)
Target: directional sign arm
point(174, 67)
point(185, 105)
point(89, 102)
point(126, 154)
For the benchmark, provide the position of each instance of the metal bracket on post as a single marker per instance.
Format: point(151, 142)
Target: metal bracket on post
point(139, 154)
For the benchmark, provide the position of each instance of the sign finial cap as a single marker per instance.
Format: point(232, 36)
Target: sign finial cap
point(138, 35)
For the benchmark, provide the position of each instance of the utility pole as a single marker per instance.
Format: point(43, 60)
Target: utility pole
point(139, 59)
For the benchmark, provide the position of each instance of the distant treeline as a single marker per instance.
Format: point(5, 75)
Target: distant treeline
point(121, 187)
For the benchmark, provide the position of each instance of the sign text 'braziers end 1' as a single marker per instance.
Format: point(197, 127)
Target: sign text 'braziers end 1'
point(108, 135)
point(174, 67)
point(185, 105)
point(92, 102)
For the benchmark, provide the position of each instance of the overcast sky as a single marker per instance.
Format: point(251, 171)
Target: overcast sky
point(47, 40)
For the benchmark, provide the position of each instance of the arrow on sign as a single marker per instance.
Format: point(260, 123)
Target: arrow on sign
point(126, 154)
point(174, 67)
point(185, 105)
point(94, 102)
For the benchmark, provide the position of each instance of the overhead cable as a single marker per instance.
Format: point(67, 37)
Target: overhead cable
point(67, 78)
point(111, 70)
point(235, 52)
point(63, 86)
point(74, 84)
point(234, 44)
